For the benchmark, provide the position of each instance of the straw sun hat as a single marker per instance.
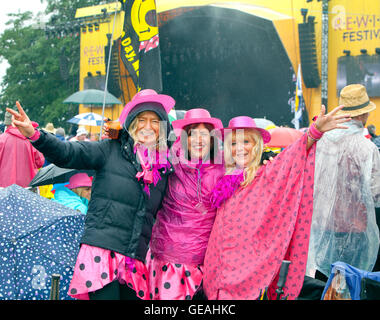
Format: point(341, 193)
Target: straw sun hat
point(355, 99)
point(50, 128)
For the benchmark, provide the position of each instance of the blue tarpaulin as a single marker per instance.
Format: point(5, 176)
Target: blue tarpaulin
point(353, 278)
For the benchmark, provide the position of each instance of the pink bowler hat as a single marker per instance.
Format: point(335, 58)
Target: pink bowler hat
point(197, 115)
point(79, 180)
point(147, 95)
point(244, 122)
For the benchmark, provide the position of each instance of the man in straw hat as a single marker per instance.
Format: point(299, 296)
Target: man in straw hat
point(346, 192)
point(49, 128)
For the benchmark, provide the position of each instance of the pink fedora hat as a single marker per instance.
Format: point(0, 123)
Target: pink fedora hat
point(79, 180)
point(147, 95)
point(197, 115)
point(244, 122)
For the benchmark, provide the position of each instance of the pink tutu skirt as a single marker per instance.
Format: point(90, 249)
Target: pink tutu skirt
point(172, 281)
point(96, 267)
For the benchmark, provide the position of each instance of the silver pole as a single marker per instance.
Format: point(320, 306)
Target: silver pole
point(325, 53)
point(107, 71)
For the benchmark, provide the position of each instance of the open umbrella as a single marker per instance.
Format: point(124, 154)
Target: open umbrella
point(264, 123)
point(38, 238)
point(92, 96)
point(87, 119)
point(52, 174)
point(172, 116)
point(281, 137)
point(180, 114)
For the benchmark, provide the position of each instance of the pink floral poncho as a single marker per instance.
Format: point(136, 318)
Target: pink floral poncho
point(261, 225)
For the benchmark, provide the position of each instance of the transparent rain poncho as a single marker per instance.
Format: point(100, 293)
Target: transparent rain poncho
point(346, 192)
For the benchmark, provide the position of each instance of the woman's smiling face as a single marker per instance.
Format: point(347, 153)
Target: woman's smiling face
point(148, 128)
point(241, 148)
point(198, 142)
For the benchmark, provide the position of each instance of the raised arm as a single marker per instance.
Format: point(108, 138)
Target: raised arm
point(77, 155)
point(326, 122)
point(22, 121)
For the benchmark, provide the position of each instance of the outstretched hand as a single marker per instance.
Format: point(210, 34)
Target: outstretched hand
point(330, 121)
point(21, 121)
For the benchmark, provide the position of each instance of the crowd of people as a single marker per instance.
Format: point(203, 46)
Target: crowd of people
point(20, 162)
point(211, 215)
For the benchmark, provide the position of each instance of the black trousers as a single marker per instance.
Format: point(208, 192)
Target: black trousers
point(320, 276)
point(114, 291)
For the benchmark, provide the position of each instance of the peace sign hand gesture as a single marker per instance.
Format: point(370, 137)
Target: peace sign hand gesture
point(21, 121)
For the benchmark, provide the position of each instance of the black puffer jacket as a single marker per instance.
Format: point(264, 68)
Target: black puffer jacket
point(120, 215)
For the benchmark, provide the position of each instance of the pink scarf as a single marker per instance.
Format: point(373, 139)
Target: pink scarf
point(150, 166)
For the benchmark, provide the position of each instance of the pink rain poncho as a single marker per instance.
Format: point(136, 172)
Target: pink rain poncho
point(261, 225)
point(19, 160)
point(182, 228)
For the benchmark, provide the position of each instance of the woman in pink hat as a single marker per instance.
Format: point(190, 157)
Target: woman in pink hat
point(76, 194)
point(183, 224)
point(264, 212)
point(127, 191)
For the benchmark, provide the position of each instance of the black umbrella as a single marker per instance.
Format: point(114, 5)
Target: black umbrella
point(92, 96)
point(52, 174)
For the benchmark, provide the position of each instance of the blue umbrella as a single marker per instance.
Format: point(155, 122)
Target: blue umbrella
point(87, 119)
point(38, 238)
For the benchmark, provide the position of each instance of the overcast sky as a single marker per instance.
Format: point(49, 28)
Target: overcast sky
point(16, 6)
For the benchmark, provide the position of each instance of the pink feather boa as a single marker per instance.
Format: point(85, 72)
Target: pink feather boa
point(151, 166)
point(226, 187)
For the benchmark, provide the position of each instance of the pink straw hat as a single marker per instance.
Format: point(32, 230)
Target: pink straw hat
point(79, 180)
point(147, 95)
point(197, 115)
point(244, 122)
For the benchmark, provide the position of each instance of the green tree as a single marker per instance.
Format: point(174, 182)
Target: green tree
point(42, 71)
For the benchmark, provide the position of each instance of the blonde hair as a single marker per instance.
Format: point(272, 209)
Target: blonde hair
point(257, 150)
point(79, 190)
point(132, 130)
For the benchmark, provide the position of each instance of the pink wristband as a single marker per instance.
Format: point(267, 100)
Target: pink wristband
point(314, 132)
point(35, 136)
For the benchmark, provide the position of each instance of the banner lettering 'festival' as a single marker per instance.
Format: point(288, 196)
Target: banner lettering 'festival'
point(355, 27)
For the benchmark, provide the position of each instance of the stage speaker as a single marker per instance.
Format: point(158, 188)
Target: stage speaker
point(308, 53)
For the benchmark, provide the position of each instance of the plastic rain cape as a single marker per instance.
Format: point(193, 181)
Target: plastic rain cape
point(346, 192)
point(261, 225)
